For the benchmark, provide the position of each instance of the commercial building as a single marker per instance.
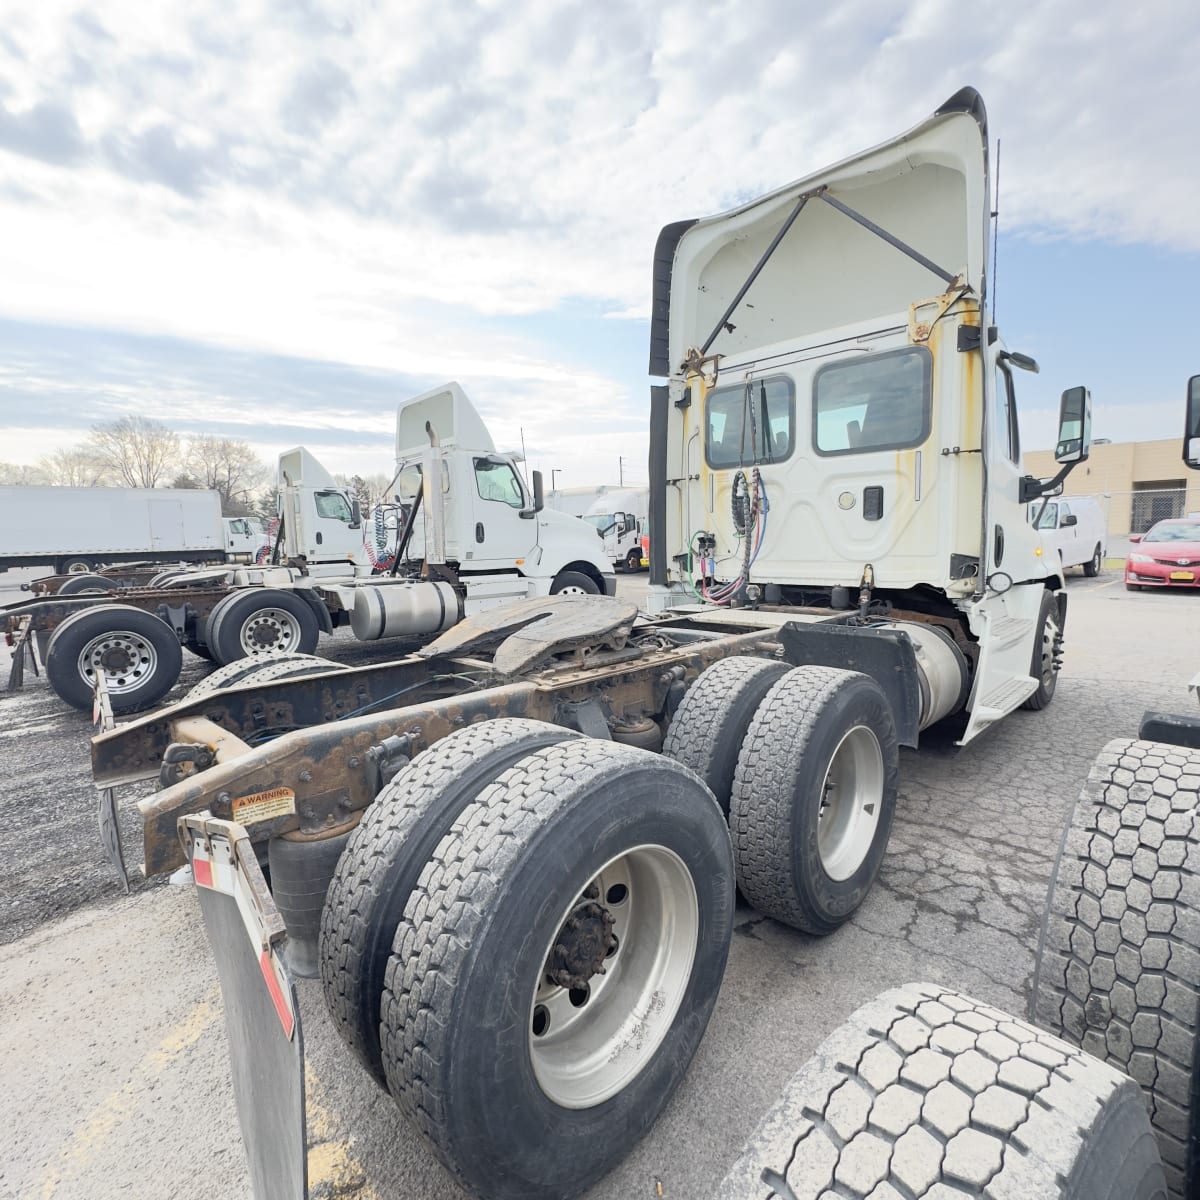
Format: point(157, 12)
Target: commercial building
point(1137, 482)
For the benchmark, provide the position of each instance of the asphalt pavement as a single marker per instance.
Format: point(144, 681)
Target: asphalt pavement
point(112, 1054)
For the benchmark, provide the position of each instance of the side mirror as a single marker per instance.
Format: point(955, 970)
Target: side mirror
point(355, 515)
point(1069, 520)
point(1191, 433)
point(1074, 426)
point(539, 498)
point(1135, 537)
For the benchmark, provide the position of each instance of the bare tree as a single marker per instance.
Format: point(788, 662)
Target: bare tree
point(74, 466)
point(20, 475)
point(227, 466)
point(138, 451)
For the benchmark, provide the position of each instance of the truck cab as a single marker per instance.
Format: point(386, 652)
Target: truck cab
point(839, 426)
point(321, 521)
point(474, 511)
point(618, 517)
point(244, 537)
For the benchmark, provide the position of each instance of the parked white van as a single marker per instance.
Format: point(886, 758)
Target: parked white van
point(1075, 527)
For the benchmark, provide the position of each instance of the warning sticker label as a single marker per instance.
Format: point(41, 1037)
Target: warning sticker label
point(262, 806)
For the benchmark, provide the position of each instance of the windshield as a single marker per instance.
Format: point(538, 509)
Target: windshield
point(1174, 531)
point(601, 521)
point(1049, 517)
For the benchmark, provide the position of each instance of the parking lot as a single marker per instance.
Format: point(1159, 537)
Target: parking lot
point(115, 1073)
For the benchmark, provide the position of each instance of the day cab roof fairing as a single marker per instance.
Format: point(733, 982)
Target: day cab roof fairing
point(927, 189)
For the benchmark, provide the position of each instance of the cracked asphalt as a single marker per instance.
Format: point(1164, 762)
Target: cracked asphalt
point(115, 1077)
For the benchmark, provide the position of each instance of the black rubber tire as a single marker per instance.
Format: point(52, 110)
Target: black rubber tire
point(248, 670)
point(1118, 963)
point(72, 636)
point(574, 579)
point(228, 618)
point(395, 839)
point(457, 1005)
point(633, 562)
point(85, 585)
point(74, 565)
point(926, 1092)
point(709, 726)
point(779, 786)
point(1095, 564)
point(300, 875)
point(1046, 682)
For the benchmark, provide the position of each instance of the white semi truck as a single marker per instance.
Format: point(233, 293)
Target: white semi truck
point(619, 517)
point(73, 530)
point(469, 534)
point(840, 558)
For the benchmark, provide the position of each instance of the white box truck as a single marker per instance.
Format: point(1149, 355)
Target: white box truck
point(73, 530)
point(619, 517)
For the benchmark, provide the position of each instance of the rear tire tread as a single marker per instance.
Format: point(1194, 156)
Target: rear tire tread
point(1118, 962)
point(924, 1084)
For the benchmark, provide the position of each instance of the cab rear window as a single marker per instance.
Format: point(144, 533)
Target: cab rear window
point(876, 402)
point(751, 423)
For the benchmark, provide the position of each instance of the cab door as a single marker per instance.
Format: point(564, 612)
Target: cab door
point(498, 534)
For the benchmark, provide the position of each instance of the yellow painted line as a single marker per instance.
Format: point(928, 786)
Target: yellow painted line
point(120, 1105)
point(1096, 587)
point(331, 1164)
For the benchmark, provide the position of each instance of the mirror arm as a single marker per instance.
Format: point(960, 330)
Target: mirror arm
point(1033, 488)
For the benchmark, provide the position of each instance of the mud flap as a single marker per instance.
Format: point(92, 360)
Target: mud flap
point(262, 1017)
point(106, 798)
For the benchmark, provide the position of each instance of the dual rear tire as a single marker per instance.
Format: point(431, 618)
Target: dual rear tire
point(557, 907)
point(805, 762)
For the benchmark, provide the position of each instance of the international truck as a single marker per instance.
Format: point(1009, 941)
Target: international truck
point(619, 517)
point(74, 530)
point(467, 534)
point(511, 856)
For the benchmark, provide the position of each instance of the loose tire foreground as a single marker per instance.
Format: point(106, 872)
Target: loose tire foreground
point(813, 797)
point(1118, 966)
point(247, 671)
point(557, 965)
point(927, 1093)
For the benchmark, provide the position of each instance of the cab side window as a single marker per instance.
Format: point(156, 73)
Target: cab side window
point(498, 481)
point(334, 506)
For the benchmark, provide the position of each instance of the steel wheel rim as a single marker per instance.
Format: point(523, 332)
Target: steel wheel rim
point(573, 589)
point(585, 1050)
point(102, 653)
point(1049, 633)
point(851, 803)
point(1096, 561)
point(269, 631)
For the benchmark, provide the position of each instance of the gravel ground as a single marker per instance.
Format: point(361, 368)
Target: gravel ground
point(112, 1046)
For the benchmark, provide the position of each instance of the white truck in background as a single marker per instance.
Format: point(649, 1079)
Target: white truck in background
point(73, 530)
point(619, 517)
point(481, 539)
point(1076, 529)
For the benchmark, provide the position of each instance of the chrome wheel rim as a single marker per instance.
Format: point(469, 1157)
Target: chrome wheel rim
point(637, 927)
point(125, 659)
point(851, 803)
point(269, 631)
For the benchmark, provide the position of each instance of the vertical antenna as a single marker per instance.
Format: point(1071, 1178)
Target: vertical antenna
point(522, 429)
point(996, 231)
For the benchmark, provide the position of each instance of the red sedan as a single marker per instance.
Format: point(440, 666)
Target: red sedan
point(1167, 555)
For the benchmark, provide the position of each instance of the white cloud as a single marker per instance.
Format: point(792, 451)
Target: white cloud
point(370, 183)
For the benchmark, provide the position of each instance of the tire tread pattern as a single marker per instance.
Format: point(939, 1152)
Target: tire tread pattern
point(925, 1093)
point(1118, 967)
point(456, 891)
point(389, 824)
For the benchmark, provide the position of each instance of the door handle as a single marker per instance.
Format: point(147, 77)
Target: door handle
point(479, 531)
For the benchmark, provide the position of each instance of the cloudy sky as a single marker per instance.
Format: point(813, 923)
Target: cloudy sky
point(274, 220)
